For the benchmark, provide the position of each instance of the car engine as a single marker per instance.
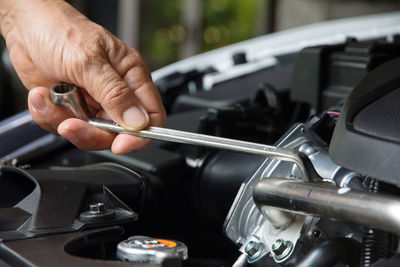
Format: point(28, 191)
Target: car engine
point(328, 93)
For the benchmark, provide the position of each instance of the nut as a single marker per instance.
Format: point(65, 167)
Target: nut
point(97, 208)
point(254, 250)
point(97, 212)
point(282, 249)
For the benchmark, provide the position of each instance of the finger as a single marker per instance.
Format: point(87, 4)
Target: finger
point(45, 113)
point(85, 136)
point(124, 143)
point(151, 100)
point(116, 97)
point(129, 63)
point(57, 119)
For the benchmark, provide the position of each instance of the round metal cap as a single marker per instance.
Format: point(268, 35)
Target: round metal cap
point(145, 249)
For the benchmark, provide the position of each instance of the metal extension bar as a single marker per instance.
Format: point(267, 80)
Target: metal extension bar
point(71, 97)
point(328, 201)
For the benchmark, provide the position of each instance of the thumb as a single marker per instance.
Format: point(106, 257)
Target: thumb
point(117, 98)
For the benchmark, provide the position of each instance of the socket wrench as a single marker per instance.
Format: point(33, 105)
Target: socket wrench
point(71, 97)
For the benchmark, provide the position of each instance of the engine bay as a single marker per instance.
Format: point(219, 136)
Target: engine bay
point(181, 205)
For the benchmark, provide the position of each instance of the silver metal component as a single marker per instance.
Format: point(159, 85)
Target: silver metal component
point(328, 201)
point(245, 222)
point(143, 249)
point(241, 261)
point(278, 218)
point(346, 179)
point(254, 250)
point(69, 95)
point(282, 249)
point(97, 212)
point(307, 149)
point(97, 208)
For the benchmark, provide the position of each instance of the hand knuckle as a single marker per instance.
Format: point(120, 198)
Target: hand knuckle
point(92, 44)
point(115, 94)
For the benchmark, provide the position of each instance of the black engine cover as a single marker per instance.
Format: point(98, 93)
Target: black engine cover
point(367, 135)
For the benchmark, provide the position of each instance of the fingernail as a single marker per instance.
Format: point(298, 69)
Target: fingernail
point(38, 103)
point(135, 118)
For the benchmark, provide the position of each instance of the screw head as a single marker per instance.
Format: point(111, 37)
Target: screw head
point(282, 249)
point(251, 248)
point(254, 250)
point(316, 233)
point(97, 208)
point(278, 247)
point(97, 212)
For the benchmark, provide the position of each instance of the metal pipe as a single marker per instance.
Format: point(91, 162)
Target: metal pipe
point(328, 201)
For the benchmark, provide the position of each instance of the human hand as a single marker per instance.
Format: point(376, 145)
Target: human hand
point(49, 42)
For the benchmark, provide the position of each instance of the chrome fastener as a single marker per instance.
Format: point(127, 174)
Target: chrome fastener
point(282, 249)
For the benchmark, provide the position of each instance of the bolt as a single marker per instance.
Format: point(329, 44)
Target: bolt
point(316, 233)
point(97, 208)
point(278, 247)
point(251, 248)
point(282, 249)
point(97, 212)
point(254, 250)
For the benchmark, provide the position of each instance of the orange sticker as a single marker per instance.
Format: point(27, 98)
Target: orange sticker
point(168, 243)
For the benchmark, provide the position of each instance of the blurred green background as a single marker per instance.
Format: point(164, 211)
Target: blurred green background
point(224, 22)
point(165, 31)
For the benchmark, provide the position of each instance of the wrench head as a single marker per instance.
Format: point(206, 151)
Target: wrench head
point(60, 92)
point(71, 97)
